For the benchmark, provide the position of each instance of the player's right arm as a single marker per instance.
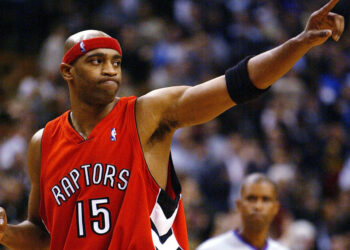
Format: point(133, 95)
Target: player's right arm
point(31, 233)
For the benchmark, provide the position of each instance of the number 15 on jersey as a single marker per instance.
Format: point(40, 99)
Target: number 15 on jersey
point(100, 217)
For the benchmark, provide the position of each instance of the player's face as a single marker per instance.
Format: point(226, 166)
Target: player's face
point(97, 76)
point(258, 205)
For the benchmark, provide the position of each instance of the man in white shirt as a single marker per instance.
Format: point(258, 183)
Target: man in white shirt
point(257, 206)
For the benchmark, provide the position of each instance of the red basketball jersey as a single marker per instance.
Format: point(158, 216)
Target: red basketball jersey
point(99, 194)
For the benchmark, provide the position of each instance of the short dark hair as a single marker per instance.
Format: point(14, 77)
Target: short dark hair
point(259, 178)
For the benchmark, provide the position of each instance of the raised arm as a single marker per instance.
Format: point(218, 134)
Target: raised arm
point(31, 233)
point(184, 106)
point(162, 111)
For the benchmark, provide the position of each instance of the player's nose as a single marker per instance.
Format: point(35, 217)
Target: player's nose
point(258, 205)
point(109, 69)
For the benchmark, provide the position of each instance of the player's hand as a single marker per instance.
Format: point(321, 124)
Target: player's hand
point(3, 222)
point(323, 24)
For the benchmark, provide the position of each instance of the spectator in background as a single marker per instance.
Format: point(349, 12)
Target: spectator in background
point(51, 53)
point(301, 235)
point(257, 206)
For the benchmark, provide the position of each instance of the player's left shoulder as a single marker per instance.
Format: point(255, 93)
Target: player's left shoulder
point(275, 245)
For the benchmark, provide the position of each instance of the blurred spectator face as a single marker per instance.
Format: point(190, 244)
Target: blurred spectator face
point(301, 235)
point(340, 242)
point(12, 190)
point(258, 206)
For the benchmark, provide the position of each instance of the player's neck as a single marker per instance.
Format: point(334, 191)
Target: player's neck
point(256, 239)
point(85, 117)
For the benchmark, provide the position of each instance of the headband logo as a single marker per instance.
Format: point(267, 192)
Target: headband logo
point(82, 47)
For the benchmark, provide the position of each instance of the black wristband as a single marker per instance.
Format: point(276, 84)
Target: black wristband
point(239, 85)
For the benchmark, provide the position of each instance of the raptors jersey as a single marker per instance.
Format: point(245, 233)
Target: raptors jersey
point(99, 194)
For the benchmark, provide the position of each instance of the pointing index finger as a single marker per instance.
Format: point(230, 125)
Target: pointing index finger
point(328, 7)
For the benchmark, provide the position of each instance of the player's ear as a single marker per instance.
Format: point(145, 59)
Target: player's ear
point(66, 71)
point(238, 204)
point(276, 207)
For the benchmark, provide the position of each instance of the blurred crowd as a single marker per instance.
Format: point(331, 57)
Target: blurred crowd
point(298, 133)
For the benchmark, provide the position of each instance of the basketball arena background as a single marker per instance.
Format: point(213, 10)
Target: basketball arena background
point(298, 134)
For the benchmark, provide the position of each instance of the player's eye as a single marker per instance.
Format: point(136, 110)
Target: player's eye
point(95, 61)
point(266, 199)
point(251, 198)
point(117, 63)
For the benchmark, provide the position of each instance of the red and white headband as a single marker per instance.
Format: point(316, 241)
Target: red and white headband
point(84, 46)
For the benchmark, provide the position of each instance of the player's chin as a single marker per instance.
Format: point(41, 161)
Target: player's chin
point(258, 220)
point(257, 226)
point(110, 97)
point(109, 90)
point(105, 97)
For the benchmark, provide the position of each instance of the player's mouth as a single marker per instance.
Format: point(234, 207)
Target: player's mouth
point(257, 216)
point(108, 81)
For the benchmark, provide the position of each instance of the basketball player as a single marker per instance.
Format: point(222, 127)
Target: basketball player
point(257, 207)
point(101, 173)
